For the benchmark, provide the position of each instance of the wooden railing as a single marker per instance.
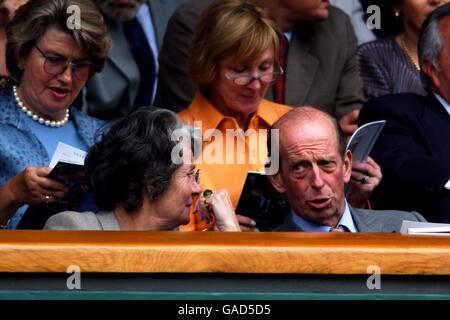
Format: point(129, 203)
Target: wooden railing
point(185, 252)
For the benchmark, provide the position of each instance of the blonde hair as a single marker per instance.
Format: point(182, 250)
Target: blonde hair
point(230, 29)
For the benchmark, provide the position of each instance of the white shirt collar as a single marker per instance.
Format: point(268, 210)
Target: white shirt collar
point(444, 103)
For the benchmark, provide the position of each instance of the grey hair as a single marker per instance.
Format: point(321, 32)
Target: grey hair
point(430, 41)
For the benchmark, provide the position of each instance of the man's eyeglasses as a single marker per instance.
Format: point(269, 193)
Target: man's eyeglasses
point(54, 65)
point(245, 80)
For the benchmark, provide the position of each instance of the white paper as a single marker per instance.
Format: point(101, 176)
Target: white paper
point(425, 228)
point(431, 229)
point(447, 185)
point(363, 139)
point(67, 153)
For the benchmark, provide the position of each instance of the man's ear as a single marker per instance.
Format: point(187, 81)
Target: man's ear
point(347, 165)
point(431, 72)
point(277, 182)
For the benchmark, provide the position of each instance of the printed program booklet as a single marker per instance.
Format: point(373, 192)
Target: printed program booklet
point(68, 164)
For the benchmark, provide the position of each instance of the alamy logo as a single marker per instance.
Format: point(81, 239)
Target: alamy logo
point(374, 281)
point(74, 280)
point(233, 147)
point(74, 19)
point(374, 20)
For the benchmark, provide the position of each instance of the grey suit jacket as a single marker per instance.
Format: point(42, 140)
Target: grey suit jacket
point(321, 63)
point(112, 92)
point(367, 220)
point(71, 220)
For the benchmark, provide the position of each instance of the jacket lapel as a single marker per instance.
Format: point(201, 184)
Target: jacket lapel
point(120, 55)
point(365, 222)
point(436, 126)
point(300, 70)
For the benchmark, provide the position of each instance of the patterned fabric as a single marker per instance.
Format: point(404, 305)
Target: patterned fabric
point(385, 68)
point(5, 81)
point(20, 148)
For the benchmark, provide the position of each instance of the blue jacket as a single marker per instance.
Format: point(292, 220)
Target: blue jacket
point(20, 148)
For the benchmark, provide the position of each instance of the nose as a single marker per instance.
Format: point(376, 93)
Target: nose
point(196, 189)
point(255, 84)
point(316, 178)
point(67, 75)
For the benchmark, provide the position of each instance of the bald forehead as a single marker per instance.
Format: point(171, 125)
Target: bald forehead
point(306, 125)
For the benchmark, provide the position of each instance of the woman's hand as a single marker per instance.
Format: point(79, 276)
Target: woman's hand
point(32, 186)
point(365, 177)
point(218, 203)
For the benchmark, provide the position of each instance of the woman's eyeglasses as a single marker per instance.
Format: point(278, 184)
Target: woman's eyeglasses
point(245, 80)
point(195, 176)
point(55, 64)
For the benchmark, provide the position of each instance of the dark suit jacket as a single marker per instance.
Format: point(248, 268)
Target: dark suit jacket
point(321, 63)
point(367, 220)
point(414, 154)
point(112, 92)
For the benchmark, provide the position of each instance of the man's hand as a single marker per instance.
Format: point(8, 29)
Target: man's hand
point(348, 122)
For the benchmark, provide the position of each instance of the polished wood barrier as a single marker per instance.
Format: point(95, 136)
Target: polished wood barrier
point(297, 253)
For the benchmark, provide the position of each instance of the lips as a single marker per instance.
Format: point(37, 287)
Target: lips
point(58, 92)
point(319, 203)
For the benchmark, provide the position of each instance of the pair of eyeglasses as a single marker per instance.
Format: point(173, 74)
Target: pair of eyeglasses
point(244, 80)
point(196, 176)
point(82, 70)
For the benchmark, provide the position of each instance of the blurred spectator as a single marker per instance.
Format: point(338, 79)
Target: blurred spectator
point(355, 11)
point(129, 79)
point(390, 65)
point(413, 148)
point(7, 10)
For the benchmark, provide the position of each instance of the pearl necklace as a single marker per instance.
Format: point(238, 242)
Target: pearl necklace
point(35, 117)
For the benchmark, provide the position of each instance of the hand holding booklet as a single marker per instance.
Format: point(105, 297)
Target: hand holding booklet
point(68, 164)
point(363, 140)
point(268, 208)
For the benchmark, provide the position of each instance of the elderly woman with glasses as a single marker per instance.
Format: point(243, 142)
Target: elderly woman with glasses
point(233, 61)
point(142, 177)
point(51, 52)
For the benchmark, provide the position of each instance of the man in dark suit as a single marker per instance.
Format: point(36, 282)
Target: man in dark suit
point(129, 79)
point(321, 68)
point(413, 149)
point(314, 166)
